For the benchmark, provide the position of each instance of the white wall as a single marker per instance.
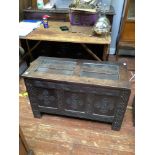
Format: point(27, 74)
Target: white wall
point(62, 3)
point(118, 6)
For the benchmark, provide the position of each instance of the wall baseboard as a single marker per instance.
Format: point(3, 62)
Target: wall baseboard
point(112, 51)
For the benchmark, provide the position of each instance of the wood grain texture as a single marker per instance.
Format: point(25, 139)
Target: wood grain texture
point(128, 32)
point(126, 35)
point(54, 33)
point(23, 146)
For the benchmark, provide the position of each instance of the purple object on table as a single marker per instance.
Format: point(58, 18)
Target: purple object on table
point(83, 18)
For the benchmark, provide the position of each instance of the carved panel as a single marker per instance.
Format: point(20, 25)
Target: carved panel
point(74, 101)
point(41, 96)
point(104, 105)
point(47, 97)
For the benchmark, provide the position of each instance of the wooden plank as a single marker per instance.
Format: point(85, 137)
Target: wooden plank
point(52, 148)
point(87, 150)
point(84, 137)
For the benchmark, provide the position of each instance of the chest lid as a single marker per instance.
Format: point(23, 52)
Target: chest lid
point(79, 71)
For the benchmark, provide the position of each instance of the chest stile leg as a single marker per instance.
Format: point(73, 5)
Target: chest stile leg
point(32, 97)
point(120, 110)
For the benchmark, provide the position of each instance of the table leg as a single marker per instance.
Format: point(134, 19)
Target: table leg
point(30, 50)
point(105, 53)
point(91, 53)
point(28, 47)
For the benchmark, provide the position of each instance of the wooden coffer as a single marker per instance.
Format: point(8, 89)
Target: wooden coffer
point(78, 88)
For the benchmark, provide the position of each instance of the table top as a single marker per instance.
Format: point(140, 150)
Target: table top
point(54, 33)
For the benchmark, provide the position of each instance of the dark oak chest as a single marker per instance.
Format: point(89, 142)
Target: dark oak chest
point(78, 88)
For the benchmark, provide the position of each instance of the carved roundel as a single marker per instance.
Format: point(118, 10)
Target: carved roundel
point(46, 98)
point(104, 105)
point(74, 101)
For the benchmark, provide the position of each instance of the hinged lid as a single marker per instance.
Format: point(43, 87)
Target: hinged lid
point(79, 71)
